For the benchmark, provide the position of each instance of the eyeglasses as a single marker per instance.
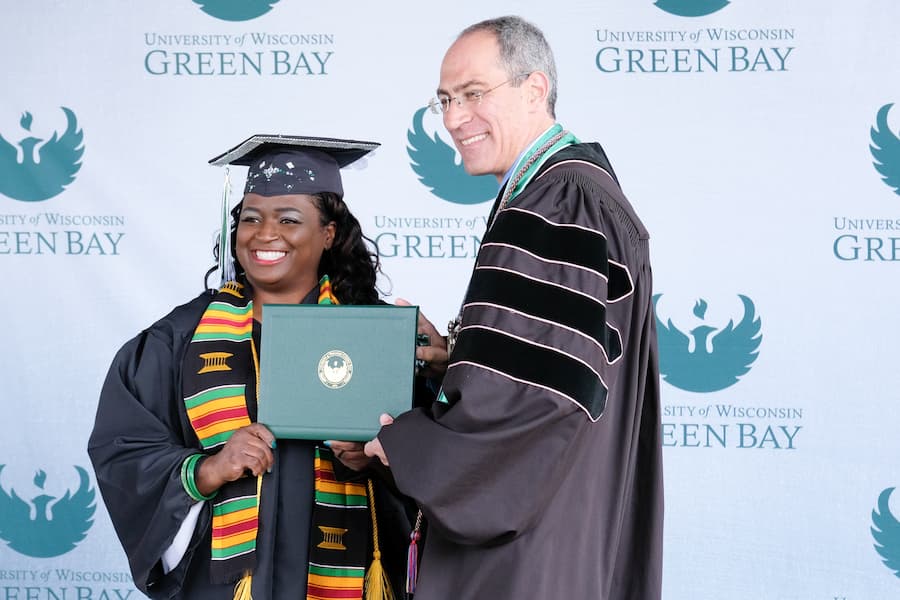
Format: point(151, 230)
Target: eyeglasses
point(441, 104)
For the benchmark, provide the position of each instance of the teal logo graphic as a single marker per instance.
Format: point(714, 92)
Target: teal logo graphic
point(691, 8)
point(435, 163)
point(35, 178)
point(42, 528)
point(886, 150)
point(709, 359)
point(236, 10)
point(886, 531)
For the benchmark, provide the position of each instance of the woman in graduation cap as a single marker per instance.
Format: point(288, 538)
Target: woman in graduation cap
point(205, 503)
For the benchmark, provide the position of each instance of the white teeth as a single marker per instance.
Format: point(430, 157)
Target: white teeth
point(269, 254)
point(473, 139)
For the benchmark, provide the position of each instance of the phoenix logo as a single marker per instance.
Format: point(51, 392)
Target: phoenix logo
point(886, 531)
point(236, 10)
point(435, 163)
point(691, 8)
point(886, 150)
point(708, 361)
point(41, 529)
point(31, 180)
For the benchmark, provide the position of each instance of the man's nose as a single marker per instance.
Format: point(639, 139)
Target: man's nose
point(456, 115)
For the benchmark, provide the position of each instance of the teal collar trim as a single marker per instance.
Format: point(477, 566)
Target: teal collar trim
point(531, 164)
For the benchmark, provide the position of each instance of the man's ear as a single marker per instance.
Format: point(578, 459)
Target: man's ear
point(537, 88)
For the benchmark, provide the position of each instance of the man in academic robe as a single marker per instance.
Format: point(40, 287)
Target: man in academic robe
point(538, 470)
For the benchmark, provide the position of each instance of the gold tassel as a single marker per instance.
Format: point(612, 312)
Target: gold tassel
point(242, 587)
point(377, 585)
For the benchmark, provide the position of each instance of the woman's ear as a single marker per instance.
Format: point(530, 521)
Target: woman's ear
point(330, 231)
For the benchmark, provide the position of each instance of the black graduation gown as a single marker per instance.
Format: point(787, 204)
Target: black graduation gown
point(142, 435)
point(542, 475)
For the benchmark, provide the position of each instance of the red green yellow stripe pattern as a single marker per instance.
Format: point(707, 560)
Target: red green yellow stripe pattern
point(223, 321)
point(327, 582)
point(234, 526)
point(216, 413)
point(331, 492)
point(325, 294)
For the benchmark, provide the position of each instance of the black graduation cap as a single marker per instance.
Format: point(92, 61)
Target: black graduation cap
point(285, 164)
point(294, 164)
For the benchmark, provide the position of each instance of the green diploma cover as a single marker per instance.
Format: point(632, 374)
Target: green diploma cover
point(328, 372)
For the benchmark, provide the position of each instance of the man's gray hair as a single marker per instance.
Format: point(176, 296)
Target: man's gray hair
point(523, 49)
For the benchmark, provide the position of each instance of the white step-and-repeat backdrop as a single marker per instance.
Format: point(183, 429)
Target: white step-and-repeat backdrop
point(757, 139)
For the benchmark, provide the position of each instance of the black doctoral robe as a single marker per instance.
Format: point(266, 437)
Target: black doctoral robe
point(141, 437)
point(541, 476)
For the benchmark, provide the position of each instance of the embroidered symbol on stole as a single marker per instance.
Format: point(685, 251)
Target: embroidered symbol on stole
point(332, 538)
point(215, 361)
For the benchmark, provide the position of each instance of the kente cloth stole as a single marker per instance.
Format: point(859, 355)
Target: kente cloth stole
point(219, 360)
point(339, 535)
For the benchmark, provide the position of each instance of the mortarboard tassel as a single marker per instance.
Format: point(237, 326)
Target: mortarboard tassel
point(226, 265)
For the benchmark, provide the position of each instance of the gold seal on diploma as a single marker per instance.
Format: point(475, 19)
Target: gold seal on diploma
point(335, 369)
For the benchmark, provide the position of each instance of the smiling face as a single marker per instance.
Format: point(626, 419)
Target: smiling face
point(490, 133)
point(279, 242)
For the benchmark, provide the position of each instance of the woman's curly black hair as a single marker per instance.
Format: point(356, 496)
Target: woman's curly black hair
point(352, 262)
